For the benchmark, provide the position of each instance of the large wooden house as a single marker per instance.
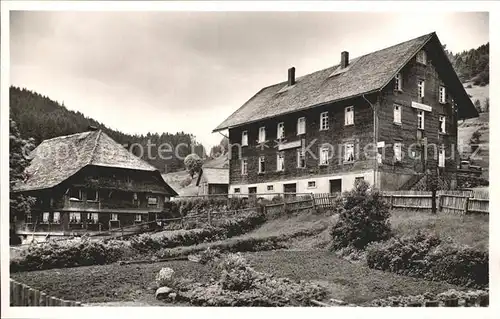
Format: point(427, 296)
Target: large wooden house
point(388, 117)
point(87, 183)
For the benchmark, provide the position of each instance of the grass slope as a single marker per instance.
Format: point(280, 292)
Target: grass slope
point(471, 230)
point(175, 180)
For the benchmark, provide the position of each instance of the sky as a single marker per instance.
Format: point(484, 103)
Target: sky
point(141, 72)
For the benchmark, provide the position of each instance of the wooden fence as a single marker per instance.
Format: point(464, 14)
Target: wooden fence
point(458, 201)
point(25, 296)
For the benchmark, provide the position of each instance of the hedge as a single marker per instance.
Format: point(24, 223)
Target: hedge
point(229, 228)
point(425, 256)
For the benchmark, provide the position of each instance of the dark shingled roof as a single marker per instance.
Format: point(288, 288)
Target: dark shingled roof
point(59, 158)
point(365, 74)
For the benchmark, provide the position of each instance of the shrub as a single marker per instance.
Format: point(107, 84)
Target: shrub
point(363, 218)
point(228, 228)
point(401, 255)
point(236, 274)
point(424, 256)
point(69, 253)
point(231, 245)
point(196, 206)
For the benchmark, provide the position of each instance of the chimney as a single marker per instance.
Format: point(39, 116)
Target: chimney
point(92, 128)
point(344, 59)
point(291, 76)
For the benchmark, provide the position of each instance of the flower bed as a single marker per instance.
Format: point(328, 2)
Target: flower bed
point(240, 285)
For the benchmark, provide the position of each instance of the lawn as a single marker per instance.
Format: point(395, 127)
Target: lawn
point(471, 230)
point(134, 283)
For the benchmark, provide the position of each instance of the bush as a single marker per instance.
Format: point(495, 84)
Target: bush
point(197, 206)
point(236, 274)
point(363, 218)
point(230, 245)
point(424, 256)
point(228, 228)
point(69, 253)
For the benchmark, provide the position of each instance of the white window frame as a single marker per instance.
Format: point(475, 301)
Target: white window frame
point(262, 134)
point(421, 88)
point(280, 130)
point(262, 160)
point(442, 94)
point(301, 154)
point(280, 162)
point(77, 216)
point(398, 82)
point(244, 166)
point(397, 152)
point(397, 113)
point(138, 218)
point(301, 125)
point(324, 122)
point(270, 188)
point(244, 138)
point(154, 203)
point(94, 217)
point(58, 219)
point(348, 152)
point(422, 57)
point(45, 217)
point(442, 124)
point(311, 184)
point(420, 119)
point(442, 157)
point(114, 217)
point(324, 155)
point(349, 115)
point(237, 190)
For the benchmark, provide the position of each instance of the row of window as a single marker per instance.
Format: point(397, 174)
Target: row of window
point(76, 194)
point(76, 218)
point(398, 81)
point(301, 126)
point(324, 159)
point(398, 154)
point(310, 184)
point(420, 119)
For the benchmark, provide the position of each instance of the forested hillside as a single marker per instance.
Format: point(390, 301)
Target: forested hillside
point(41, 118)
point(472, 65)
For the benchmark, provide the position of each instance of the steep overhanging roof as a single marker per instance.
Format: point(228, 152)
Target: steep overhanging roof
point(57, 159)
point(366, 74)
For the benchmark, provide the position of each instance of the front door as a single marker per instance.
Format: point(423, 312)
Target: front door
point(335, 186)
point(290, 189)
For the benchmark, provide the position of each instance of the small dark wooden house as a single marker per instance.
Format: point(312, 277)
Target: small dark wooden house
point(388, 117)
point(87, 183)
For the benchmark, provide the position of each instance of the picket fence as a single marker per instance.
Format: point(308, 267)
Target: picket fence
point(22, 295)
point(457, 201)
